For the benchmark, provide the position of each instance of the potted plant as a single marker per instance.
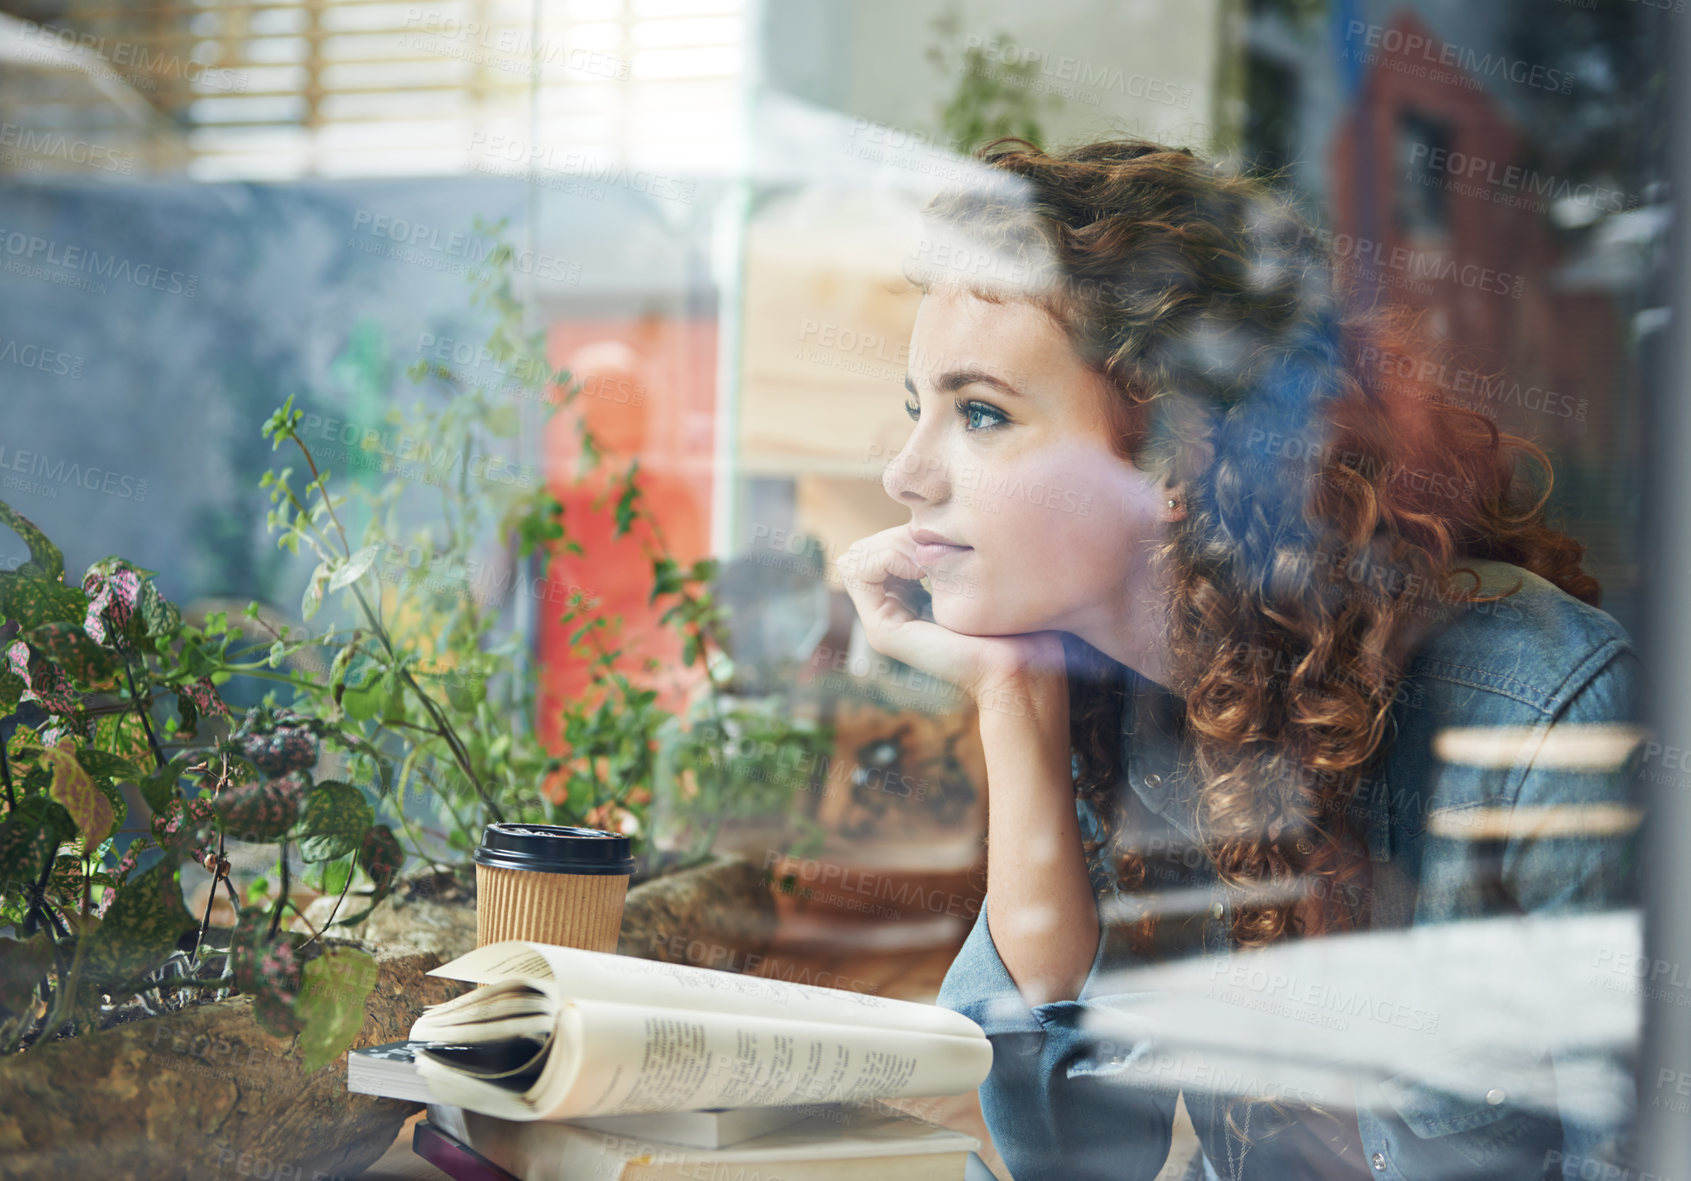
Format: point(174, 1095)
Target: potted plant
point(109, 697)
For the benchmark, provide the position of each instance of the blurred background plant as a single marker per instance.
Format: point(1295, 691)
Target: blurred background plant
point(430, 668)
point(406, 710)
point(992, 92)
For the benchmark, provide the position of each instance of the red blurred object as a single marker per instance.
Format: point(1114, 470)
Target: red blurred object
point(649, 392)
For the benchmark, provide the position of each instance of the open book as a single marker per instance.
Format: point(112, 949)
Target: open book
point(559, 1033)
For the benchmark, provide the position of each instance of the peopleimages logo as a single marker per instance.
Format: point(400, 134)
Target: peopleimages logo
point(56, 145)
point(415, 241)
point(49, 473)
point(527, 53)
point(535, 157)
point(1375, 258)
point(406, 455)
point(33, 356)
point(34, 250)
point(1513, 184)
point(1436, 55)
point(142, 66)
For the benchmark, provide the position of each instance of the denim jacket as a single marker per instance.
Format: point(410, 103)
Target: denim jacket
point(1056, 1101)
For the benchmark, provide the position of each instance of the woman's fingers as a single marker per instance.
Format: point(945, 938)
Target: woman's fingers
point(876, 567)
point(881, 575)
point(883, 578)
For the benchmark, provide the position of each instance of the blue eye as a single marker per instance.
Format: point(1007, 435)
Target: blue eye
point(969, 409)
point(969, 412)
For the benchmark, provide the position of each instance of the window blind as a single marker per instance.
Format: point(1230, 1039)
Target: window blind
point(276, 89)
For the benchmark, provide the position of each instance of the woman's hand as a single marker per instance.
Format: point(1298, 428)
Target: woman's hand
point(883, 579)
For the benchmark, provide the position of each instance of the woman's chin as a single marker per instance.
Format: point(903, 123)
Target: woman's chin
point(969, 618)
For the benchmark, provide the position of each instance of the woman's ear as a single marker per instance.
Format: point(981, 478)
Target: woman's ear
point(1174, 502)
point(1193, 432)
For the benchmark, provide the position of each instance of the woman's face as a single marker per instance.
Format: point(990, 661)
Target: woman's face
point(1009, 458)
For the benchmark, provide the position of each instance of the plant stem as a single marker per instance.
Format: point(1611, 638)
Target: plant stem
point(67, 990)
point(315, 933)
point(415, 726)
point(459, 754)
point(329, 504)
point(323, 492)
point(211, 897)
point(141, 708)
point(55, 924)
point(118, 706)
point(446, 802)
point(450, 736)
point(282, 899)
point(416, 844)
point(6, 773)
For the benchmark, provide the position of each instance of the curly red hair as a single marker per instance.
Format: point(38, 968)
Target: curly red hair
point(1330, 497)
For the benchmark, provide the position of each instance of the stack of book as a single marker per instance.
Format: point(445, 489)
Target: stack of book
point(570, 1065)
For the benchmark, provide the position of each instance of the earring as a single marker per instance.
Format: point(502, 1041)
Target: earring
point(1171, 504)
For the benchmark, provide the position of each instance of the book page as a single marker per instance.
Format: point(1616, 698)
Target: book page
point(492, 1004)
point(594, 975)
point(571, 1153)
point(633, 1058)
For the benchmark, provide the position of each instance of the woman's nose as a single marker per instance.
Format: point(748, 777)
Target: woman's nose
point(914, 476)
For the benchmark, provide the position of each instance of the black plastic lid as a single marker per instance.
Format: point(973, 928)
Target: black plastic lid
point(554, 848)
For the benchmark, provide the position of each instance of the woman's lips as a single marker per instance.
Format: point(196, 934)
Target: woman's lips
point(930, 553)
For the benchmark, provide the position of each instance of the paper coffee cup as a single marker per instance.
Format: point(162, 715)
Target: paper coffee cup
point(551, 883)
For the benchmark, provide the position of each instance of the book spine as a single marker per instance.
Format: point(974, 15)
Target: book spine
point(456, 1160)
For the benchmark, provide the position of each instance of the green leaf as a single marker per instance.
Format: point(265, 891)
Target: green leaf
point(187, 713)
point(30, 835)
point(158, 612)
point(103, 765)
point(336, 875)
point(365, 701)
point(464, 692)
point(313, 598)
point(331, 1004)
point(142, 926)
point(35, 601)
point(380, 856)
point(354, 568)
point(666, 579)
point(73, 788)
point(159, 788)
point(334, 822)
point(123, 735)
point(338, 667)
point(114, 797)
point(393, 706)
point(84, 661)
point(44, 556)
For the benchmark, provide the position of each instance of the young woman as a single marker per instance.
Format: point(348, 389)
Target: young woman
point(1219, 567)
